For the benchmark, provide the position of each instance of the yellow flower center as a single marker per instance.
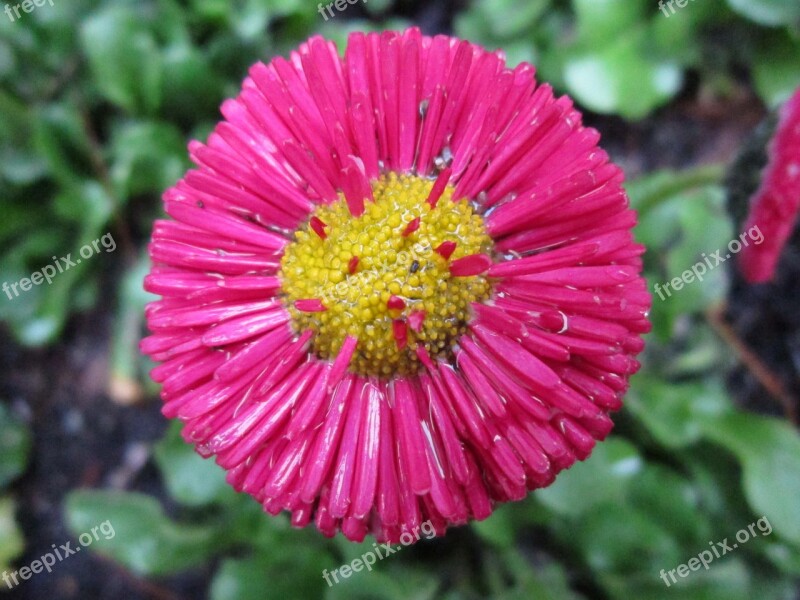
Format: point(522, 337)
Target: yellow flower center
point(384, 278)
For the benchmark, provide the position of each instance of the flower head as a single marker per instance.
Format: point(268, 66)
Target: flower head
point(776, 204)
point(399, 287)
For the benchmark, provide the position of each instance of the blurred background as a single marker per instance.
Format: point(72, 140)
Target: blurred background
point(98, 100)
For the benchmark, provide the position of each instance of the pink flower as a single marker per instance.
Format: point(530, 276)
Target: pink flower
point(399, 287)
point(775, 206)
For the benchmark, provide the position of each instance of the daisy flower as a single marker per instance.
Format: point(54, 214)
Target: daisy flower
point(775, 206)
point(400, 286)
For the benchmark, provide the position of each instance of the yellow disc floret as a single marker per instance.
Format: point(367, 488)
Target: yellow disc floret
point(379, 277)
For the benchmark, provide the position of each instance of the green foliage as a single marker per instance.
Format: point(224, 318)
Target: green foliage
point(11, 541)
point(617, 62)
point(629, 58)
point(124, 59)
point(145, 540)
point(687, 221)
point(614, 466)
point(769, 12)
point(97, 103)
point(15, 448)
point(769, 452)
point(265, 576)
point(776, 67)
point(191, 480)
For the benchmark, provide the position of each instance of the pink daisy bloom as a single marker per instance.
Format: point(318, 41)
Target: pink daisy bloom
point(775, 206)
point(400, 287)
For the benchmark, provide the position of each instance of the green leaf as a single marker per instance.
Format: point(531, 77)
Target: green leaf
point(403, 584)
point(671, 499)
point(494, 15)
point(88, 204)
point(499, 529)
point(172, 25)
point(716, 478)
point(655, 188)
point(124, 58)
point(190, 479)
point(7, 59)
point(142, 537)
point(12, 543)
point(251, 18)
point(784, 556)
point(26, 314)
point(599, 21)
point(77, 217)
point(19, 162)
point(768, 12)
point(776, 68)
point(769, 451)
point(616, 538)
point(613, 66)
point(60, 138)
point(15, 447)
point(727, 580)
point(680, 38)
point(675, 413)
point(281, 8)
point(618, 79)
point(683, 232)
point(192, 90)
point(603, 477)
point(546, 581)
point(293, 574)
point(146, 157)
point(212, 10)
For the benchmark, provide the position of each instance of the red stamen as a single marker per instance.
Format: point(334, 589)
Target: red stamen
point(395, 303)
point(400, 333)
point(415, 319)
point(319, 227)
point(445, 249)
point(411, 227)
point(352, 265)
point(474, 264)
point(438, 187)
point(310, 305)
